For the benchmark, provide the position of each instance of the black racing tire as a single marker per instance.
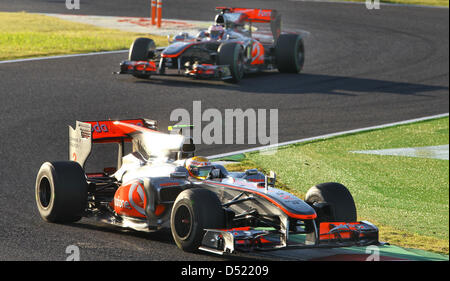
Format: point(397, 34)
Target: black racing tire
point(142, 49)
point(61, 191)
point(290, 53)
point(193, 211)
point(341, 204)
point(232, 54)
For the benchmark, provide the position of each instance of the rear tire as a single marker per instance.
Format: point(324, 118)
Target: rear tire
point(341, 206)
point(61, 191)
point(232, 54)
point(193, 211)
point(290, 53)
point(142, 49)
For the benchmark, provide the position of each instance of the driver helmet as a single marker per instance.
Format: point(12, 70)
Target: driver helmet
point(215, 32)
point(198, 167)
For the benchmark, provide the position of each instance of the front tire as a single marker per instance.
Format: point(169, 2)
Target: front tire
point(193, 211)
point(338, 202)
point(61, 191)
point(142, 49)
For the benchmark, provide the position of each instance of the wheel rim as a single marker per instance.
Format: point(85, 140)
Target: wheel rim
point(240, 65)
point(300, 56)
point(45, 193)
point(183, 222)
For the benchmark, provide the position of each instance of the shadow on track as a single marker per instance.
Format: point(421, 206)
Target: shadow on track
point(278, 83)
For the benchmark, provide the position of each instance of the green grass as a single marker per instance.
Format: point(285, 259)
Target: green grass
point(437, 3)
point(24, 35)
point(408, 197)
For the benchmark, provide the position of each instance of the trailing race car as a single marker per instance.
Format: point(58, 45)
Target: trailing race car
point(160, 184)
point(227, 50)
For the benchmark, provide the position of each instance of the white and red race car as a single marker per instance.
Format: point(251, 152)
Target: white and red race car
point(151, 189)
point(232, 47)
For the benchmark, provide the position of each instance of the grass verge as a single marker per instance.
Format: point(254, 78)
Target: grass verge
point(24, 35)
point(407, 197)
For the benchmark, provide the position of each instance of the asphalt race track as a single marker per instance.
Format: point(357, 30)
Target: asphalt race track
point(363, 68)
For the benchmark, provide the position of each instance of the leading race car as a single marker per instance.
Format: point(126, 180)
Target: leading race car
point(227, 50)
point(161, 184)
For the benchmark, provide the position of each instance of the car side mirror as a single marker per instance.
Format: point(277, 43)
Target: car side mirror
point(272, 178)
point(269, 180)
point(251, 172)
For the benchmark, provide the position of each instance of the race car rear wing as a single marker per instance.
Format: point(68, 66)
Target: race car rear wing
point(88, 132)
point(258, 15)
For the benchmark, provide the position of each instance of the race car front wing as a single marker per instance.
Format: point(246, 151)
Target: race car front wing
point(329, 235)
point(138, 68)
point(198, 71)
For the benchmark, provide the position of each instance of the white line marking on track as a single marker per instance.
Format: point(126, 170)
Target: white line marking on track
point(327, 136)
point(433, 152)
point(63, 56)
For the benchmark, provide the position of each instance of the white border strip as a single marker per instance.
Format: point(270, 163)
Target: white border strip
point(363, 3)
point(327, 136)
point(64, 56)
